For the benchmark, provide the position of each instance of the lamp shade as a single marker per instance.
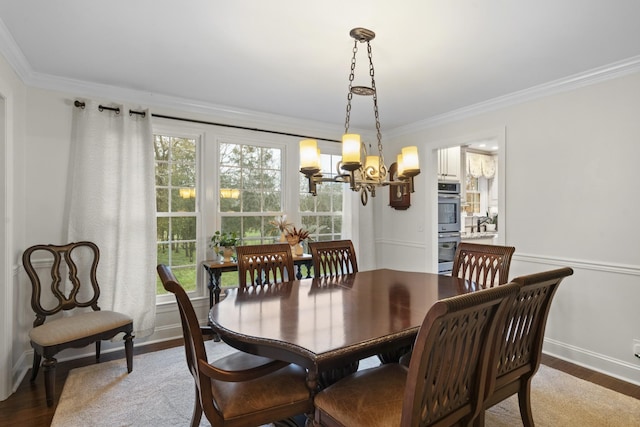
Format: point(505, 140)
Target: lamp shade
point(410, 159)
point(372, 166)
point(351, 148)
point(309, 154)
point(400, 164)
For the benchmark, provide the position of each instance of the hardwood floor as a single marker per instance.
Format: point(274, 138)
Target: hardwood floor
point(27, 407)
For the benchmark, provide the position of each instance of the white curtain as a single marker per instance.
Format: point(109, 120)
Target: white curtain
point(112, 203)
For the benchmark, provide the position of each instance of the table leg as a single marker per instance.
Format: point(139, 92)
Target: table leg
point(214, 291)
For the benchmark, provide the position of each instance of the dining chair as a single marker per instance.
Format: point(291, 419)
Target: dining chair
point(520, 342)
point(239, 389)
point(264, 264)
point(333, 258)
point(443, 385)
point(75, 295)
point(484, 265)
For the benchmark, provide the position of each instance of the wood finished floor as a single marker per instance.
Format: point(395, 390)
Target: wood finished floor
point(27, 406)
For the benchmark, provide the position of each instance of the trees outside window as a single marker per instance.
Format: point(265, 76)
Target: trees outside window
point(176, 207)
point(251, 191)
point(322, 214)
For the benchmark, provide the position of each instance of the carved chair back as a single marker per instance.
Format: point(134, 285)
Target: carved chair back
point(260, 265)
point(485, 265)
point(333, 258)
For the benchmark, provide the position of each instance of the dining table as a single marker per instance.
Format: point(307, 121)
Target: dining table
point(327, 323)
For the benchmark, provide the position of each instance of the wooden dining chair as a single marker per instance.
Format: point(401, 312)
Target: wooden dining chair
point(333, 258)
point(443, 385)
point(72, 288)
point(484, 265)
point(264, 264)
point(520, 342)
point(239, 389)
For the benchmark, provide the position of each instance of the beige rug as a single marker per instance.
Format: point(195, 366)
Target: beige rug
point(160, 392)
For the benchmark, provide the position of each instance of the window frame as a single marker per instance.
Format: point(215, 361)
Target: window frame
point(187, 133)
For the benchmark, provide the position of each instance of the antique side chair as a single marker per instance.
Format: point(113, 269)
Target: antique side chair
point(77, 296)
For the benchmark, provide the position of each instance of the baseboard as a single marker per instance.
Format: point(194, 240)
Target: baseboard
point(593, 361)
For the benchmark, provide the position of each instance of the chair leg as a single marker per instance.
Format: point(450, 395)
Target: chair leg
point(524, 399)
point(49, 379)
point(36, 365)
point(197, 411)
point(98, 343)
point(128, 351)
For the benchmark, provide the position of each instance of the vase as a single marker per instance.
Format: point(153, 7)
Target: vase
point(227, 253)
point(299, 249)
point(283, 238)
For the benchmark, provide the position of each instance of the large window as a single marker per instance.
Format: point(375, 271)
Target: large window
point(177, 216)
point(322, 214)
point(251, 193)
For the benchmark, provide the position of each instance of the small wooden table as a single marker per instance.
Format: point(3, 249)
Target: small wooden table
point(328, 323)
point(216, 268)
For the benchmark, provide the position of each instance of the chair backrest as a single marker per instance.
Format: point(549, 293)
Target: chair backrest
point(485, 265)
point(72, 278)
point(520, 340)
point(264, 264)
point(452, 354)
point(333, 258)
point(193, 341)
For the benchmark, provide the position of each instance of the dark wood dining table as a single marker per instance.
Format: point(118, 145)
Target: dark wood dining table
point(326, 323)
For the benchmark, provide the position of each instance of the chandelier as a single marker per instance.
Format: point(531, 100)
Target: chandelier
point(362, 171)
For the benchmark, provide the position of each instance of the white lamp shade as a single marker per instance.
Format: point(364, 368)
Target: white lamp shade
point(309, 154)
point(351, 148)
point(400, 164)
point(372, 162)
point(410, 158)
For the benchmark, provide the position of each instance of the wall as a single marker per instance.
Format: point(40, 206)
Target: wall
point(12, 92)
point(571, 173)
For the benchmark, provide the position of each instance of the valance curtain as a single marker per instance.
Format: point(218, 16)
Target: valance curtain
point(112, 203)
point(481, 165)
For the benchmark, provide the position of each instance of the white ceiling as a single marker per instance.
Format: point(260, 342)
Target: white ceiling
point(292, 57)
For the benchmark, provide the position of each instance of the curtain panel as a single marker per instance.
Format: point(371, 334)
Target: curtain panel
point(112, 203)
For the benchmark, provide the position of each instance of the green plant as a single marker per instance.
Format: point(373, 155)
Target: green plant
point(227, 239)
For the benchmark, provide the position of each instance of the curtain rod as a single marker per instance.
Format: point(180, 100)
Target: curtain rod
point(81, 104)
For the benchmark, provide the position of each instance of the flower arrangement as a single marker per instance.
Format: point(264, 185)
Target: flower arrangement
point(281, 224)
point(295, 236)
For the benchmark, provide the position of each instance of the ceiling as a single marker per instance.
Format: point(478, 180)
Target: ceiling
point(292, 58)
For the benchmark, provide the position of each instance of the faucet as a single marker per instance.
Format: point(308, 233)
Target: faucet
point(481, 220)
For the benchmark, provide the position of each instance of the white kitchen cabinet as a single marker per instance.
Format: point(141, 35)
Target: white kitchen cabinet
point(449, 164)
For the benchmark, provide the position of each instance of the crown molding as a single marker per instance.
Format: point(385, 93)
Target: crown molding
point(586, 78)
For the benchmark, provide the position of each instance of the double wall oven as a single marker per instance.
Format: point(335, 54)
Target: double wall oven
point(448, 224)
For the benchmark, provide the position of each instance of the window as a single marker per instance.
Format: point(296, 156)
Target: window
point(322, 214)
point(176, 215)
point(250, 182)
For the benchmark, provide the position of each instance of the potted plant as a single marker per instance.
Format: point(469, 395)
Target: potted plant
point(224, 243)
point(492, 222)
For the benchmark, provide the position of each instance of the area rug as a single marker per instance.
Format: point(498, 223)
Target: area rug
point(160, 392)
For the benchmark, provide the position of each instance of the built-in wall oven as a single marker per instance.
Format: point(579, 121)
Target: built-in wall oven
point(448, 224)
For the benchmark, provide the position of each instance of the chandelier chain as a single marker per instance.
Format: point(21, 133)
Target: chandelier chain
point(382, 167)
point(349, 92)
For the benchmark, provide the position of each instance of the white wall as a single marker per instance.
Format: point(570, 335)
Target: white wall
point(571, 199)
